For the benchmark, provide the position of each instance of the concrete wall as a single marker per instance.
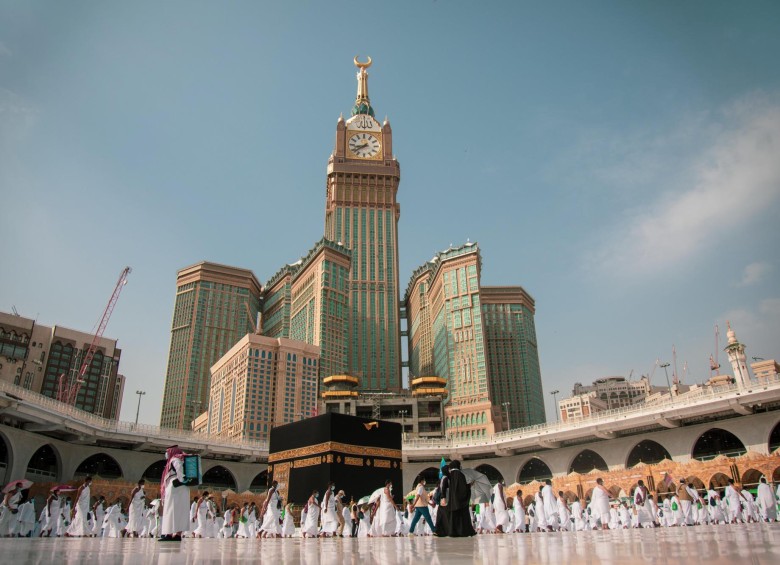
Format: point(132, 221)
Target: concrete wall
point(22, 445)
point(753, 431)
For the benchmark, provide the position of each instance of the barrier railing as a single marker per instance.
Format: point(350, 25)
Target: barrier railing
point(119, 427)
point(696, 397)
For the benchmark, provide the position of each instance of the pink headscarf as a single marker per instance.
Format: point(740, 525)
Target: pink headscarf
point(171, 453)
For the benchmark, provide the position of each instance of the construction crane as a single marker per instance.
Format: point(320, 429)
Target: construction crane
point(69, 389)
point(714, 365)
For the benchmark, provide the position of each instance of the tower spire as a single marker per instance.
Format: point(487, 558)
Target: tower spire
point(362, 101)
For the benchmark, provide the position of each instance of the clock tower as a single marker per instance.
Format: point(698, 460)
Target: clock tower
point(361, 213)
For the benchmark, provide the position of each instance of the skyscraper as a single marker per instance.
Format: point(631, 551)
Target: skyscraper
point(216, 306)
point(308, 301)
point(481, 340)
point(361, 213)
point(512, 354)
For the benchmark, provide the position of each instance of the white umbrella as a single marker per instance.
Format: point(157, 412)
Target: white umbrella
point(363, 501)
point(481, 488)
point(375, 495)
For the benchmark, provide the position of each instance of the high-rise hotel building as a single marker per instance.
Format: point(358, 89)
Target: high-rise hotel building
point(481, 340)
point(216, 306)
point(477, 344)
point(35, 356)
point(262, 382)
point(308, 301)
point(512, 354)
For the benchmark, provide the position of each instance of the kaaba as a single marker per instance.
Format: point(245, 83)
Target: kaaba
point(357, 454)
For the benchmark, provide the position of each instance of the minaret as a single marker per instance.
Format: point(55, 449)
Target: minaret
point(736, 353)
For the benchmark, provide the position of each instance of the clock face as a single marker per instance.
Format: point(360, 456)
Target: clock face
point(364, 145)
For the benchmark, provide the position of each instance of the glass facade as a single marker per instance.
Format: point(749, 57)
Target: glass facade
point(210, 316)
point(482, 340)
point(514, 362)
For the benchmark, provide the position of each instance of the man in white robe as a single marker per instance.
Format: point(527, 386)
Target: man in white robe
point(714, 507)
point(734, 503)
point(175, 496)
point(600, 503)
point(644, 514)
point(499, 507)
point(767, 503)
point(578, 524)
point(271, 512)
point(540, 517)
point(519, 512)
point(550, 506)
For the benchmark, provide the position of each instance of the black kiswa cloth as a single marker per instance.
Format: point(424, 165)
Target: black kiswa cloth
point(358, 454)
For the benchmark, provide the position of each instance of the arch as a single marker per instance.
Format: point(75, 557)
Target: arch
point(615, 491)
point(586, 461)
point(430, 474)
point(154, 471)
point(5, 458)
point(665, 486)
point(44, 465)
point(588, 494)
point(493, 474)
point(776, 476)
point(718, 481)
point(717, 441)
point(774, 438)
point(533, 470)
point(99, 464)
point(697, 483)
point(260, 482)
point(751, 478)
point(219, 477)
point(648, 452)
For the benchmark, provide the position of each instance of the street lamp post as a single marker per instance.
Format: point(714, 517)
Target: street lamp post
point(140, 393)
point(555, 402)
point(665, 365)
point(506, 409)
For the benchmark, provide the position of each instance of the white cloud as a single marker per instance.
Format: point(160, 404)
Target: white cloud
point(730, 182)
point(754, 273)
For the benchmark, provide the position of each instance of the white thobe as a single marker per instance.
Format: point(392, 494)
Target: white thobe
point(176, 505)
point(519, 512)
point(499, 508)
point(550, 506)
point(766, 502)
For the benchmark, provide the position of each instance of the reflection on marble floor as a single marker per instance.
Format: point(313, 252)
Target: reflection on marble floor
point(753, 543)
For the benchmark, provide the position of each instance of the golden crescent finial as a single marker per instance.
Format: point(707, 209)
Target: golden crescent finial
point(360, 65)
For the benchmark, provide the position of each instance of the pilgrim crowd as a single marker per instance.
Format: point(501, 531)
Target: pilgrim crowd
point(448, 510)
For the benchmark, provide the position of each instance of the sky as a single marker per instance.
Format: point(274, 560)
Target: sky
point(619, 160)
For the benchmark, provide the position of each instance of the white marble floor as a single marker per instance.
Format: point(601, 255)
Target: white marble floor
point(715, 545)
